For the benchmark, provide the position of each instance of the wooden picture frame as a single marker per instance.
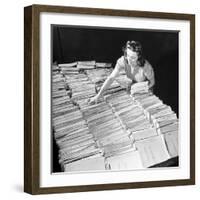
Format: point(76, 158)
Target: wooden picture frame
point(32, 92)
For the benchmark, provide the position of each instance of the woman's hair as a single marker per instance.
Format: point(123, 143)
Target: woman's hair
point(136, 47)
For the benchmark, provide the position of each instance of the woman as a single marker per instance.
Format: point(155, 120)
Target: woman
point(135, 66)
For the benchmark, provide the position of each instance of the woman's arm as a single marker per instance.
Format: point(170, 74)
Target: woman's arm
point(106, 84)
point(109, 80)
point(151, 82)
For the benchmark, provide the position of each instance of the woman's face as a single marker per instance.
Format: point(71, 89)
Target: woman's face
point(132, 57)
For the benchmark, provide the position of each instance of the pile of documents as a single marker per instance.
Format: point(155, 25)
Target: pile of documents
point(121, 132)
point(103, 65)
point(58, 86)
point(128, 160)
point(104, 125)
point(62, 105)
point(162, 118)
point(55, 69)
point(81, 65)
point(152, 150)
point(92, 163)
point(86, 64)
point(141, 87)
point(114, 88)
point(110, 135)
point(137, 126)
point(124, 81)
point(80, 86)
point(130, 114)
point(73, 137)
point(60, 94)
point(66, 65)
point(69, 68)
point(98, 75)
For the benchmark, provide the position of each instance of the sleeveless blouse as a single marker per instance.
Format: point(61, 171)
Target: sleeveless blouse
point(136, 74)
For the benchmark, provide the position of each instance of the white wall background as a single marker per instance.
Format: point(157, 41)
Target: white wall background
point(11, 101)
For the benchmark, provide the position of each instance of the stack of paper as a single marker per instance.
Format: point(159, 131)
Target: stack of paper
point(69, 68)
point(104, 125)
point(77, 151)
point(129, 113)
point(171, 139)
point(117, 148)
point(58, 81)
point(103, 65)
point(121, 132)
point(86, 64)
point(67, 65)
point(140, 87)
point(73, 138)
point(163, 119)
point(123, 81)
point(92, 163)
point(129, 160)
point(143, 134)
point(81, 87)
point(61, 102)
point(60, 93)
point(57, 78)
point(152, 150)
point(70, 121)
point(63, 105)
point(58, 86)
point(55, 69)
point(114, 88)
point(138, 97)
point(98, 75)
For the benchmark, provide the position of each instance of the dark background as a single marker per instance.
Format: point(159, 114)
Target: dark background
point(105, 45)
point(160, 48)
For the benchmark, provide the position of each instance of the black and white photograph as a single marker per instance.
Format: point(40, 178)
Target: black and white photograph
point(114, 99)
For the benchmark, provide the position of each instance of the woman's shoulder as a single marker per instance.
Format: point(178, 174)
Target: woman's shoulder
point(147, 65)
point(148, 69)
point(121, 61)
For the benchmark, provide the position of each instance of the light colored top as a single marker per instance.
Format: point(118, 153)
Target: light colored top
point(137, 73)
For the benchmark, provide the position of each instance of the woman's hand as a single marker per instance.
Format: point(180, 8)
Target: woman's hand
point(93, 100)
